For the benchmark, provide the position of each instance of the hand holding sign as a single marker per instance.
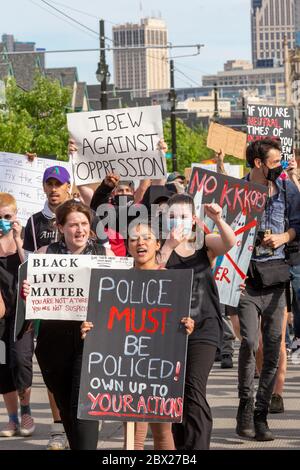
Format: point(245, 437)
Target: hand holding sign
point(85, 327)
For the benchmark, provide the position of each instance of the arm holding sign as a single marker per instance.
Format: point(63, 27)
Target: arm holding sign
point(219, 159)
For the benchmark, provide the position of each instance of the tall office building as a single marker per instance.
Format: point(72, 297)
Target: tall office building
point(271, 21)
point(141, 70)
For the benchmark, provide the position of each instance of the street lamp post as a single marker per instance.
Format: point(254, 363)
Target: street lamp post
point(172, 99)
point(102, 72)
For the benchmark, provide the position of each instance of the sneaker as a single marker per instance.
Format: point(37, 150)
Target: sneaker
point(276, 405)
point(226, 361)
point(27, 425)
point(58, 439)
point(10, 430)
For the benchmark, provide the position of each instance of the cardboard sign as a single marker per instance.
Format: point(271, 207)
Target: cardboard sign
point(274, 122)
point(222, 137)
point(121, 141)
point(133, 366)
point(243, 204)
point(24, 180)
point(60, 284)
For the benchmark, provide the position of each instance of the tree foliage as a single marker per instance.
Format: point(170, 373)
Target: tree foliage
point(35, 121)
point(191, 146)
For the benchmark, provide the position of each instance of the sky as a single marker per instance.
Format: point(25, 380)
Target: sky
point(223, 26)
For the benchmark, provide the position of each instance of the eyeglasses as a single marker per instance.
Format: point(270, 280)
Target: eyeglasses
point(6, 216)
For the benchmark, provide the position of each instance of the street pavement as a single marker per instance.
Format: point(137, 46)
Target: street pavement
point(222, 397)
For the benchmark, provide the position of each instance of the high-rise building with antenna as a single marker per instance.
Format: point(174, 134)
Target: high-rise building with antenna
point(139, 65)
point(271, 22)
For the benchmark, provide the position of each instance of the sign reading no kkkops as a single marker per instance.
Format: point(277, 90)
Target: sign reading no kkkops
point(242, 205)
point(133, 366)
point(121, 141)
point(275, 122)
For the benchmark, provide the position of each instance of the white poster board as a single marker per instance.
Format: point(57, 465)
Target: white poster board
point(122, 141)
point(60, 284)
point(236, 171)
point(24, 180)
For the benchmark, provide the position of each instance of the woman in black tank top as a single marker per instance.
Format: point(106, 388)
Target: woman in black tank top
point(179, 252)
point(59, 344)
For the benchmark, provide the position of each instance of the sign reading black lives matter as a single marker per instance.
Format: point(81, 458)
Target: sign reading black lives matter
point(121, 141)
point(59, 284)
point(133, 366)
point(276, 122)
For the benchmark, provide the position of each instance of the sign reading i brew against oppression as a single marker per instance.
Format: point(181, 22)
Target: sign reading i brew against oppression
point(133, 363)
point(242, 204)
point(121, 141)
point(60, 284)
point(276, 122)
point(24, 180)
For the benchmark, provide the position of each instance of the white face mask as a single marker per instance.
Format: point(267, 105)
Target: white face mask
point(187, 225)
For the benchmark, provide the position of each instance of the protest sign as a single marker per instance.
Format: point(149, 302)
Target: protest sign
point(230, 141)
point(133, 363)
point(242, 205)
point(60, 284)
point(20, 309)
point(121, 141)
point(276, 122)
point(24, 180)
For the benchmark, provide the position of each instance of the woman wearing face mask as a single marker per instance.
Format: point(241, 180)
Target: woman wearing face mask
point(59, 345)
point(16, 374)
point(180, 252)
point(143, 246)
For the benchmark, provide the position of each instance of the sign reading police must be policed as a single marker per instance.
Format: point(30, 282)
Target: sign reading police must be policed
point(133, 366)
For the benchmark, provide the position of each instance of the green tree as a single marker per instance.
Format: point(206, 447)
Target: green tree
point(35, 121)
point(191, 146)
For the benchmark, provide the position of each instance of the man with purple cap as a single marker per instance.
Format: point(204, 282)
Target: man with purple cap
point(40, 230)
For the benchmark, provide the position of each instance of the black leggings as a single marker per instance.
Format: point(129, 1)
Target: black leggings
point(59, 354)
point(194, 432)
point(16, 373)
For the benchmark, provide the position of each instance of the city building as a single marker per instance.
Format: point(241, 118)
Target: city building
point(204, 106)
point(271, 22)
point(27, 60)
point(141, 66)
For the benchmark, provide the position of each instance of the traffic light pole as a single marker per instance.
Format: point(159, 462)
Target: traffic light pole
point(173, 116)
point(103, 96)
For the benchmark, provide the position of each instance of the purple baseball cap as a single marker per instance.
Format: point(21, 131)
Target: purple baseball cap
point(57, 172)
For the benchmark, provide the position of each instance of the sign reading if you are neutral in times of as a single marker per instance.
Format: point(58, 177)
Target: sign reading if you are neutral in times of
point(121, 141)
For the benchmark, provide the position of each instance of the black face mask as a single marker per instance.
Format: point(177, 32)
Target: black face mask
point(122, 200)
point(273, 173)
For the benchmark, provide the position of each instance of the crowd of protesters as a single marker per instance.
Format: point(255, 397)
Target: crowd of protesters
point(92, 222)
